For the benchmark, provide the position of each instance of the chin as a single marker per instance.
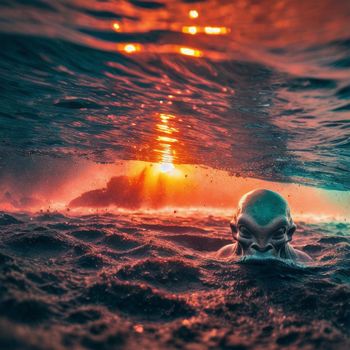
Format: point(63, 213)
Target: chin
point(260, 257)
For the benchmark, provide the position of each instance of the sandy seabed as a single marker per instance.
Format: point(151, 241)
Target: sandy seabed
point(145, 281)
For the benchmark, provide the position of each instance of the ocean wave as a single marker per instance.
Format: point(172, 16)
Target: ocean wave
point(265, 98)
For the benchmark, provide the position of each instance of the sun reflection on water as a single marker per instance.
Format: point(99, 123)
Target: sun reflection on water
point(206, 30)
point(187, 51)
point(193, 14)
point(166, 143)
point(131, 48)
point(116, 26)
point(165, 48)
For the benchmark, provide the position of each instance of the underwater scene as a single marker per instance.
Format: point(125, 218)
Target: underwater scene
point(174, 174)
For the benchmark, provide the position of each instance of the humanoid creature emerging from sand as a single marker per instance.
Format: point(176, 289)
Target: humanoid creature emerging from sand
point(262, 228)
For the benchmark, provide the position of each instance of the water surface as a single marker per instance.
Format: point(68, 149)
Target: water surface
point(257, 88)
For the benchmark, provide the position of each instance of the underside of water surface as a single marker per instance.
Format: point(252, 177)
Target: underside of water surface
point(260, 89)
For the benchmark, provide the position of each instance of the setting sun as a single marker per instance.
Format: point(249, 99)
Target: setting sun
point(166, 167)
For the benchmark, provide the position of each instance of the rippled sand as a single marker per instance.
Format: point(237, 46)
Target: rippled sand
point(136, 281)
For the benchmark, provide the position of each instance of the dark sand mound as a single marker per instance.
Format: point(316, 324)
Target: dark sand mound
point(113, 282)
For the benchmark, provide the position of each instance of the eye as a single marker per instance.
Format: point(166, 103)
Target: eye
point(278, 234)
point(245, 233)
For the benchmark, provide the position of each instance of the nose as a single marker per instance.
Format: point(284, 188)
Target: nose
point(261, 249)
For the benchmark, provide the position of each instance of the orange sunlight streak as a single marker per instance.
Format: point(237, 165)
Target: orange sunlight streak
point(187, 51)
point(166, 144)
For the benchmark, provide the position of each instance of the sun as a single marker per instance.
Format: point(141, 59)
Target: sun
point(166, 167)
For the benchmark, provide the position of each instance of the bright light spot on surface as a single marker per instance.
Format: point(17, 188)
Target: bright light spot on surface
point(165, 117)
point(166, 167)
point(216, 30)
point(169, 169)
point(166, 129)
point(190, 52)
point(166, 139)
point(166, 145)
point(193, 14)
point(190, 30)
point(138, 328)
point(206, 30)
point(116, 26)
point(131, 48)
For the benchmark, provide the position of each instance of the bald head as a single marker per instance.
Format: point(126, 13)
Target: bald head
point(262, 223)
point(263, 206)
point(263, 227)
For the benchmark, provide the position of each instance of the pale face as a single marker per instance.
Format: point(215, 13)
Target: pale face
point(266, 240)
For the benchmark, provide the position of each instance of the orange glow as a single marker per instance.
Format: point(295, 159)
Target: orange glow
point(165, 117)
point(167, 187)
point(165, 145)
point(166, 167)
point(166, 139)
point(138, 328)
point(193, 14)
point(216, 30)
point(116, 26)
point(131, 48)
point(166, 129)
point(190, 30)
point(190, 52)
point(257, 30)
point(206, 30)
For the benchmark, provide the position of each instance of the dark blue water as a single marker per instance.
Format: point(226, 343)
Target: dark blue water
point(270, 98)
